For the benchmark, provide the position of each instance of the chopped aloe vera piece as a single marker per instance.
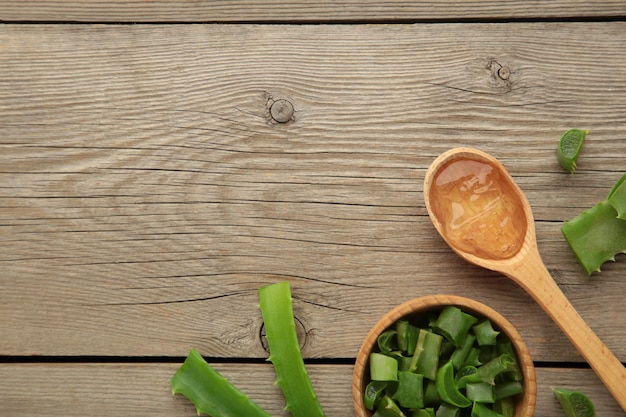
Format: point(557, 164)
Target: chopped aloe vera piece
point(276, 307)
point(487, 353)
point(373, 394)
point(465, 375)
point(388, 408)
point(402, 329)
point(404, 363)
point(480, 392)
point(411, 336)
point(423, 412)
point(505, 407)
point(574, 403)
point(473, 357)
point(508, 389)
point(505, 346)
point(570, 145)
point(489, 371)
point(479, 410)
point(210, 392)
point(383, 367)
point(447, 410)
point(387, 341)
point(617, 185)
point(425, 359)
point(454, 324)
point(617, 197)
point(485, 334)
point(431, 396)
point(596, 236)
point(460, 353)
point(447, 388)
point(410, 391)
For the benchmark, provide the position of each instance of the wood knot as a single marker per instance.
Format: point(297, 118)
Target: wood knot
point(504, 73)
point(500, 75)
point(281, 111)
point(300, 332)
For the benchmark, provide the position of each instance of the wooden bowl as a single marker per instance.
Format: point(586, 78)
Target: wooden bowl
point(417, 307)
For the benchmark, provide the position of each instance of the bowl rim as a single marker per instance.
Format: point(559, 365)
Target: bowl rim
point(527, 405)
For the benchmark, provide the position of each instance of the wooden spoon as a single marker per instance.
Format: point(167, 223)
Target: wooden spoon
point(486, 219)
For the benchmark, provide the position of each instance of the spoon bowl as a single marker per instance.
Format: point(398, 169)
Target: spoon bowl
point(470, 229)
point(484, 216)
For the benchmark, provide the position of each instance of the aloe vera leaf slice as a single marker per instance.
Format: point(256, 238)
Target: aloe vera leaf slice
point(617, 197)
point(453, 323)
point(595, 236)
point(570, 145)
point(479, 410)
point(618, 184)
point(210, 392)
point(574, 403)
point(485, 334)
point(410, 390)
point(447, 388)
point(383, 367)
point(276, 307)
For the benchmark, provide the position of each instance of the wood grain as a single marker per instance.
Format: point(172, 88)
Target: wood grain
point(146, 193)
point(143, 390)
point(298, 10)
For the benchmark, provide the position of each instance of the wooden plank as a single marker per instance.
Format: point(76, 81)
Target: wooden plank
point(143, 389)
point(298, 10)
point(146, 192)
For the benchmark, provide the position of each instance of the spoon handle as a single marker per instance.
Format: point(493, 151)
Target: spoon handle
point(533, 276)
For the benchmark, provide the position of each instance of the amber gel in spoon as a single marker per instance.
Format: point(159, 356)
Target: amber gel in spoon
point(477, 207)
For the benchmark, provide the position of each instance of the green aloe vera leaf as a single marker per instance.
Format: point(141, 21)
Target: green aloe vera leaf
point(596, 236)
point(423, 412)
point(479, 410)
point(388, 408)
point(410, 391)
point(508, 389)
point(447, 410)
point(373, 393)
point(387, 341)
point(473, 357)
point(276, 307)
point(574, 403)
point(383, 367)
point(485, 334)
point(465, 375)
point(480, 392)
point(453, 323)
point(460, 353)
point(617, 185)
point(570, 145)
point(425, 359)
point(210, 392)
point(431, 396)
point(505, 407)
point(402, 329)
point(504, 345)
point(447, 388)
point(489, 371)
point(617, 197)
